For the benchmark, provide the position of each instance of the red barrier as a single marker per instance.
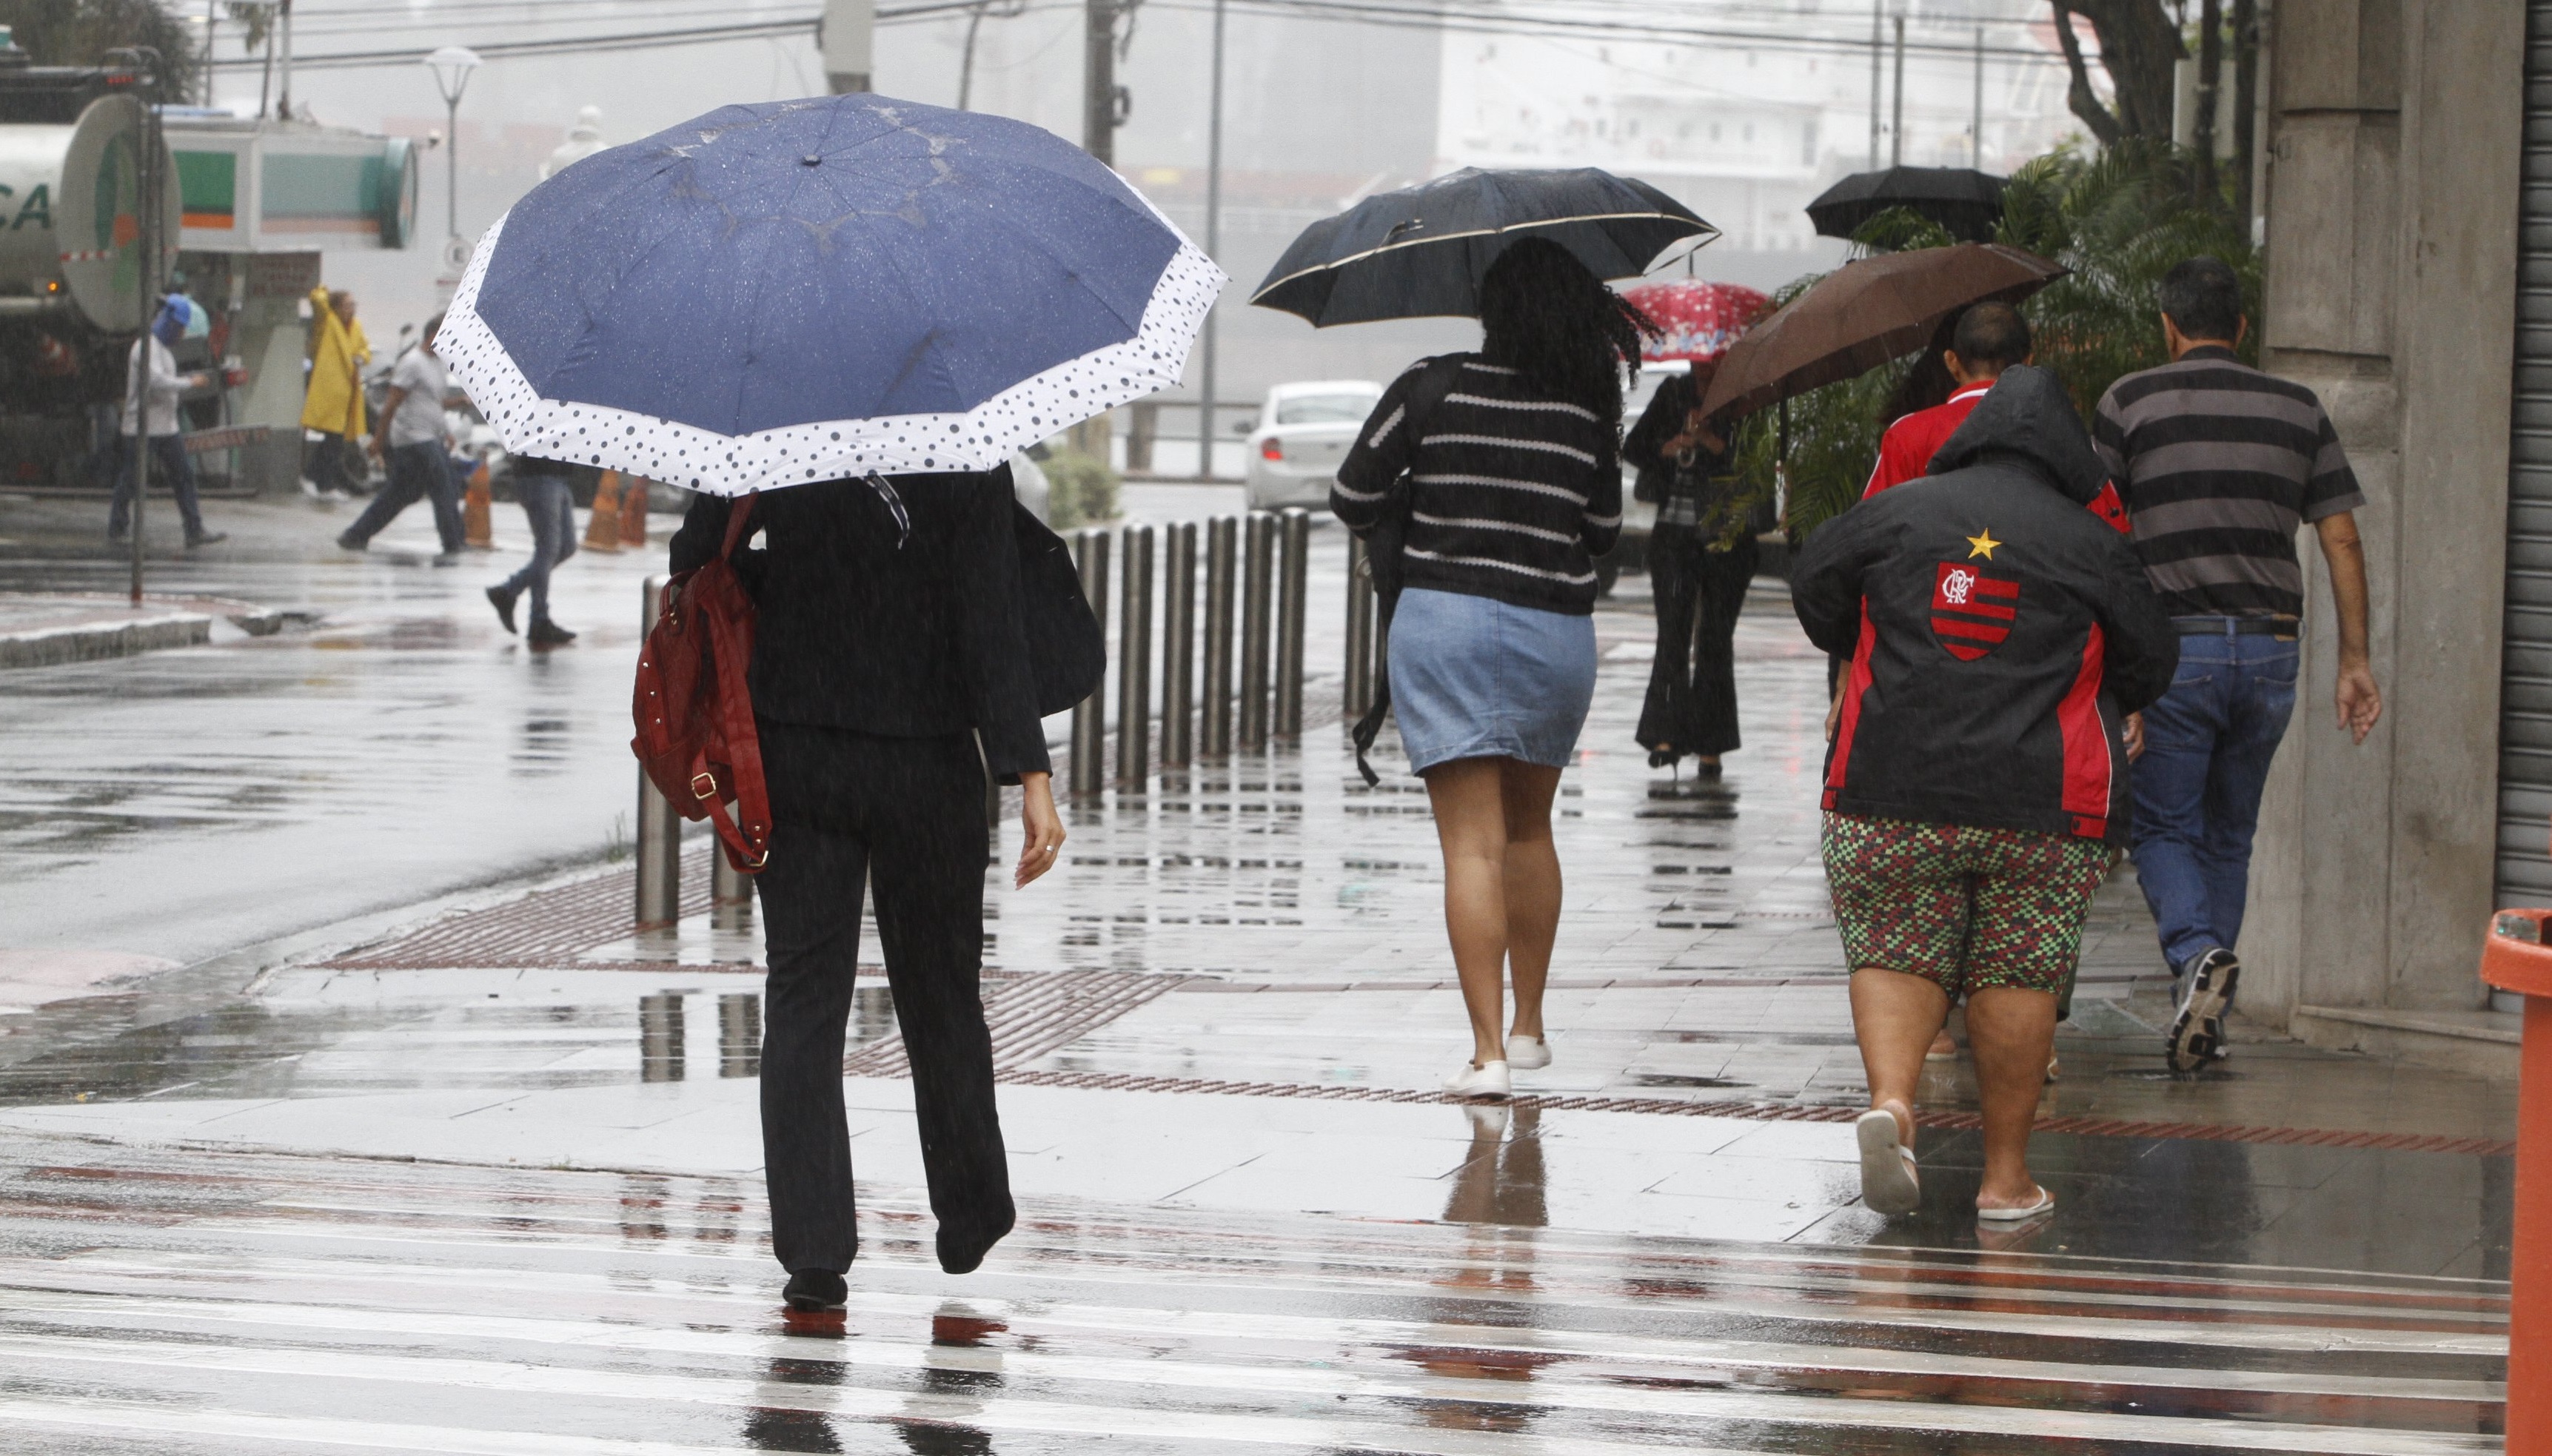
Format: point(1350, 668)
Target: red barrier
point(2516, 958)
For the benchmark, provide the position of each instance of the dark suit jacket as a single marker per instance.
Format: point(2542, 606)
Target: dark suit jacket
point(859, 632)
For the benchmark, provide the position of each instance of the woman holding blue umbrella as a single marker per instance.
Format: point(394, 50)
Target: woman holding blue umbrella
point(843, 316)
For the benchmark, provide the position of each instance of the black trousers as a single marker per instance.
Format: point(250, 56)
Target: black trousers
point(906, 815)
point(1692, 685)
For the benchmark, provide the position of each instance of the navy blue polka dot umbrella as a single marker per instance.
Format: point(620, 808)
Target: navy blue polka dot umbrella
point(803, 290)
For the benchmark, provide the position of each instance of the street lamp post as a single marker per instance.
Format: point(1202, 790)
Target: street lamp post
point(452, 65)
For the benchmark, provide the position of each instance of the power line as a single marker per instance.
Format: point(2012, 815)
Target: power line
point(1480, 19)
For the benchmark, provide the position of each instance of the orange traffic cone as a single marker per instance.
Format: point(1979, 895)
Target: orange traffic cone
point(602, 532)
point(476, 529)
point(633, 513)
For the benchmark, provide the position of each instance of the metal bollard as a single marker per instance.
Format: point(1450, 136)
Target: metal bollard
point(659, 829)
point(660, 1037)
point(1221, 582)
point(1257, 603)
point(1178, 647)
point(1089, 716)
point(1357, 695)
point(1134, 665)
point(1294, 535)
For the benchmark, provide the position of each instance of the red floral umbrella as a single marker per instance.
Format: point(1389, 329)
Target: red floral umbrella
point(1700, 318)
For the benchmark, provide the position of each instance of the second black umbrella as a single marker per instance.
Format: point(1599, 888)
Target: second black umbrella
point(1965, 202)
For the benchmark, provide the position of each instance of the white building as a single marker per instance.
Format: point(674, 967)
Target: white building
point(1745, 110)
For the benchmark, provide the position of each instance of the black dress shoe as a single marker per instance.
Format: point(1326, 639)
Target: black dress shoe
point(813, 1303)
point(962, 1250)
point(504, 601)
point(549, 634)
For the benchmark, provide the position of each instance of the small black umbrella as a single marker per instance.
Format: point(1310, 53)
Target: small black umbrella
point(1965, 202)
point(1421, 250)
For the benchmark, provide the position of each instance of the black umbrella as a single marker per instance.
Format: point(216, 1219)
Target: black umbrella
point(1965, 202)
point(1421, 250)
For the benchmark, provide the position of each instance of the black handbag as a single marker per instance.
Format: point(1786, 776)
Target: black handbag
point(1385, 543)
point(1066, 648)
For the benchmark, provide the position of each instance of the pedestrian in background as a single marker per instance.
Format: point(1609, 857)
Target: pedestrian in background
point(1701, 559)
point(419, 464)
point(2219, 464)
point(890, 672)
point(332, 403)
point(1511, 484)
point(549, 503)
point(2000, 637)
point(1985, 340)
point(151, 371)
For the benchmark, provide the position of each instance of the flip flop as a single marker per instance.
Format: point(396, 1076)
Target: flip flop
point(2045, 1203)
point(1889, 1183)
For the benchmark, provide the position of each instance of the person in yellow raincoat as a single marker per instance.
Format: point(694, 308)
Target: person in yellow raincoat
point(333, 403)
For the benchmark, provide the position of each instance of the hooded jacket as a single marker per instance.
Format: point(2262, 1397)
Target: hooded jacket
point(1999, 632)
point(338, 348)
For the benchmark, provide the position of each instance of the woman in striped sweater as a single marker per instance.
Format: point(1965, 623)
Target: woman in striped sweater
point(1512, 484)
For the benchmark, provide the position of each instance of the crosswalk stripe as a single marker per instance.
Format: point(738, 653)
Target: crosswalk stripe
point(318, 1302)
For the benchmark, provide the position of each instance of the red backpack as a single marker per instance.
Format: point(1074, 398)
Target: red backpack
point(695, 736)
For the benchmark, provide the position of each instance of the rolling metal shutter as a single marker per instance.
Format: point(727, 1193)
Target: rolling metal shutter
point(2526, 676)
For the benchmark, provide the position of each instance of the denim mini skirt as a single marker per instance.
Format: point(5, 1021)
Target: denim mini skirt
point(1475, 678)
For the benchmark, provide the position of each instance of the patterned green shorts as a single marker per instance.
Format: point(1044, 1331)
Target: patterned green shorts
point(1963, 907)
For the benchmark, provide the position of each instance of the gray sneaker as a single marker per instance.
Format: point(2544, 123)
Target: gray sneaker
point(2198, 1032)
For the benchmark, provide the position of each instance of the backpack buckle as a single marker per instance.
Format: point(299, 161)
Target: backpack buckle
point(704, 785)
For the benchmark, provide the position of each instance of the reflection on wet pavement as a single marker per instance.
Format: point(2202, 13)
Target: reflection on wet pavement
point(1247, 1218)
point(282, 1300)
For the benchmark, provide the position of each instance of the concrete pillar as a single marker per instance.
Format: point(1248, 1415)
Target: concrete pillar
point(2395, 128)
point(847, 35)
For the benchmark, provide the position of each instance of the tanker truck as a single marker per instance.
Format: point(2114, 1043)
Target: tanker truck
point(72, 142)
point(252, 208)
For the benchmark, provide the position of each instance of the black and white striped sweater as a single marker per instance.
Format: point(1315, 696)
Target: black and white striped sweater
point(1513, 492)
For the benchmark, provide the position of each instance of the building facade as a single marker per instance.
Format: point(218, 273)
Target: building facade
point(2394, 168)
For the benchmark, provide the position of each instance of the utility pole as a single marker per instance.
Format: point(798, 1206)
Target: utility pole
point(1212, 243)
point(1105, 104)
point(1103, 108)
point(1896, 132)
point(846, 36)
point(1977, 127)
point(1877, 71)
point(283, 74)
point(2210, 87)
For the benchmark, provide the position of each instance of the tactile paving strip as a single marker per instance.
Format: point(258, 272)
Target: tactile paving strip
point(1032, 1014)
point(546, 929)
point(1767, 1112)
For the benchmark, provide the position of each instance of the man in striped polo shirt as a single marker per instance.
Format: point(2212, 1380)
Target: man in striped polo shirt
point(2219, 464)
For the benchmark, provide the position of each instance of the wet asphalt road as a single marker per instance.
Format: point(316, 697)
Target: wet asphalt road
point(413, 1161)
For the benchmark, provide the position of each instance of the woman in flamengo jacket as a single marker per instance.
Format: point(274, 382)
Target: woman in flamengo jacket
point(1999, 638)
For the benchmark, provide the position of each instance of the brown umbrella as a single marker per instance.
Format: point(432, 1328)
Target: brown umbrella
point(1863, 314)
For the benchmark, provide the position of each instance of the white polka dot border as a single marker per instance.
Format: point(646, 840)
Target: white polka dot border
point(1034, 409)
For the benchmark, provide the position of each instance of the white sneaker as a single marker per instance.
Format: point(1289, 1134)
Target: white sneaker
point(310, 488)
point(1528, 1053)
point(1490, 1081)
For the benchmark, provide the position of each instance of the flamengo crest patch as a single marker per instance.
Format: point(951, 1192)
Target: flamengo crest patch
point(1971, 612)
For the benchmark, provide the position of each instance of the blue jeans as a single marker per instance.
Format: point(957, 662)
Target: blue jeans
point(170, 466)
point(2207, 747)
point(417, 471)
point(551, 509)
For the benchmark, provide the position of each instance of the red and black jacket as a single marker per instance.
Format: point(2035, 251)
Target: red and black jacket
point(1998, 632)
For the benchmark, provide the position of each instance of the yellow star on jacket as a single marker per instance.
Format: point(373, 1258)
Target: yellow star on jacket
point(1984, 544)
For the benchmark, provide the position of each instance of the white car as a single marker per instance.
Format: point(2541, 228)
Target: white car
point(1301, 436)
